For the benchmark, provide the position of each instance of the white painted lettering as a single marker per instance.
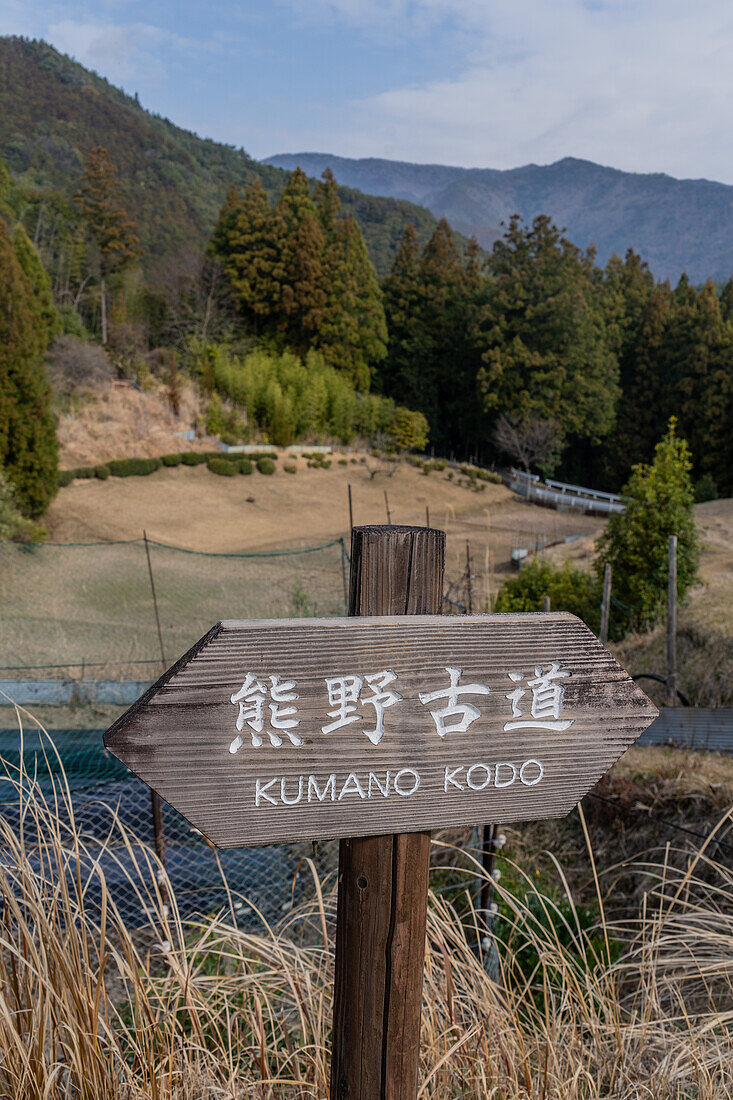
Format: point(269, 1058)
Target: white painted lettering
point(476, 785)
point(314, 789)
point(416, 781)
point(374, 779)
point(291, 801)
point(450, 774)
point(504, 782)
point(261, 792)
point(531, 782)
point(352, 786)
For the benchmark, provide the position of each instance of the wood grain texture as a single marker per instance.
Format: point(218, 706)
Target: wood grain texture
point(177, 736)
point(383, 880)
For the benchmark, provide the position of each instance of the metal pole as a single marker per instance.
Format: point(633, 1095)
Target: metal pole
point(606, 603)
point(351, 514)
point(155, 806)
point(672, 624)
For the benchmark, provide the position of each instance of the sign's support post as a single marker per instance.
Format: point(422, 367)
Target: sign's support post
point(672, 624)
point(605, 603)
point(469, 579)
point(383, 880)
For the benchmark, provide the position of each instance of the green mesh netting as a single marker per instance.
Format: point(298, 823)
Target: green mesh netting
point(68, 605)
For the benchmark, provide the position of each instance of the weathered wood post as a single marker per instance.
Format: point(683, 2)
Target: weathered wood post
point(672, 624)
point(605, 603)
point(383, 880)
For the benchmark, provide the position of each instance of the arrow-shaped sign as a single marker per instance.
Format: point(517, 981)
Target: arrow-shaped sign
point(270, 731)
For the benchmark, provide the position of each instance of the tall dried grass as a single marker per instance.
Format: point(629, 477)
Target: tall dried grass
point(90, 1008)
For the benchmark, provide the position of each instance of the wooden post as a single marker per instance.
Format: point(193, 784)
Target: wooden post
point(546, 603)
point(469, 586)
point(383, 880)
point(351, 514)
point(386, 505)
point(427, 516)
point(605, 603)
point(672, 624)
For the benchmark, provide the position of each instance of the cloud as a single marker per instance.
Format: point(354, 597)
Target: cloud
point(134, 51)
point(644, 85)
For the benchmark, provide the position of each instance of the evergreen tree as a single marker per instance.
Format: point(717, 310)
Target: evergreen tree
point(220, 244)
point(254, 260)
point(112, 231)
point(304, 290)
point(647, 401)
point(34, 271)
point(547, 348)
point(659, 502)
point(28, 446)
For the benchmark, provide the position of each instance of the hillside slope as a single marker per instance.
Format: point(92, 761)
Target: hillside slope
point(676, 225)
point(53, 111)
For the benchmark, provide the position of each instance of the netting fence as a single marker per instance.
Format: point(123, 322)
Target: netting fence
point(73, 607)
point(121, 611)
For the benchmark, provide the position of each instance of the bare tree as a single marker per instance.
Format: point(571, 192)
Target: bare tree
point(530, 441)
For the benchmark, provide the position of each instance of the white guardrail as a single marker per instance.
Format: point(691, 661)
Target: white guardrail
point(564, 497)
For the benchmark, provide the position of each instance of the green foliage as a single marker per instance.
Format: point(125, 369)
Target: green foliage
point(547, 353)
point(193, 458)
point(408, 430)
point(101, 472)
point(265, 465)
point(659, 502)
point(705, 489)
point(290, 468)
point(299, 274)
point(46, 314)
point(133, 467)
point(28, 446)
point(245, 466)
point(13, 524)
point(65, 477)
point(433, 304)
point(290, 398)
point(172, 460)
point(569, 590)
point(222, 467)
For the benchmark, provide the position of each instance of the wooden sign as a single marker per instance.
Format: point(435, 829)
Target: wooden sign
point(270, 731)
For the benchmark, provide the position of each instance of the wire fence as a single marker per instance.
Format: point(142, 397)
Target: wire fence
point(68, 608)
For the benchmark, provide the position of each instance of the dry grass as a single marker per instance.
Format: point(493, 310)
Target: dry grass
point(89, 1009)
point(121, 421)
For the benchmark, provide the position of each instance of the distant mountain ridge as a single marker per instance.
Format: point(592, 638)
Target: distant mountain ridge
point(676, 225)
point(53, 111)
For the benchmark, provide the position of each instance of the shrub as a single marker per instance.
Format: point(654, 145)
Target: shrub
point(194, 458)
point(244, 466)
point(83, 471)
point(172, 460)
point(488, 475)
point(569, 590)
point(221, 467)
point(133, 467)
point(65, 477)
point(705, 489)
point(408, 430)
point(291, 468)
point(13, 524)
point(101, 472)
point(343, 462)
point(265, 465)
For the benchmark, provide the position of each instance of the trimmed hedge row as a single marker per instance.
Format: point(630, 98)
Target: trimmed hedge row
point(216, 461)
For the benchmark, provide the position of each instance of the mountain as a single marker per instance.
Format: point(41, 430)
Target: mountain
point(676, 225)
point(53, 111)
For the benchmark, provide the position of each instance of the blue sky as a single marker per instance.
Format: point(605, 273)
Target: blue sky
point(643, 85)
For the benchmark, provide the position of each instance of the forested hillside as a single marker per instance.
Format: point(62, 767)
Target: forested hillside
point(53, 112)
point(676, 225)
